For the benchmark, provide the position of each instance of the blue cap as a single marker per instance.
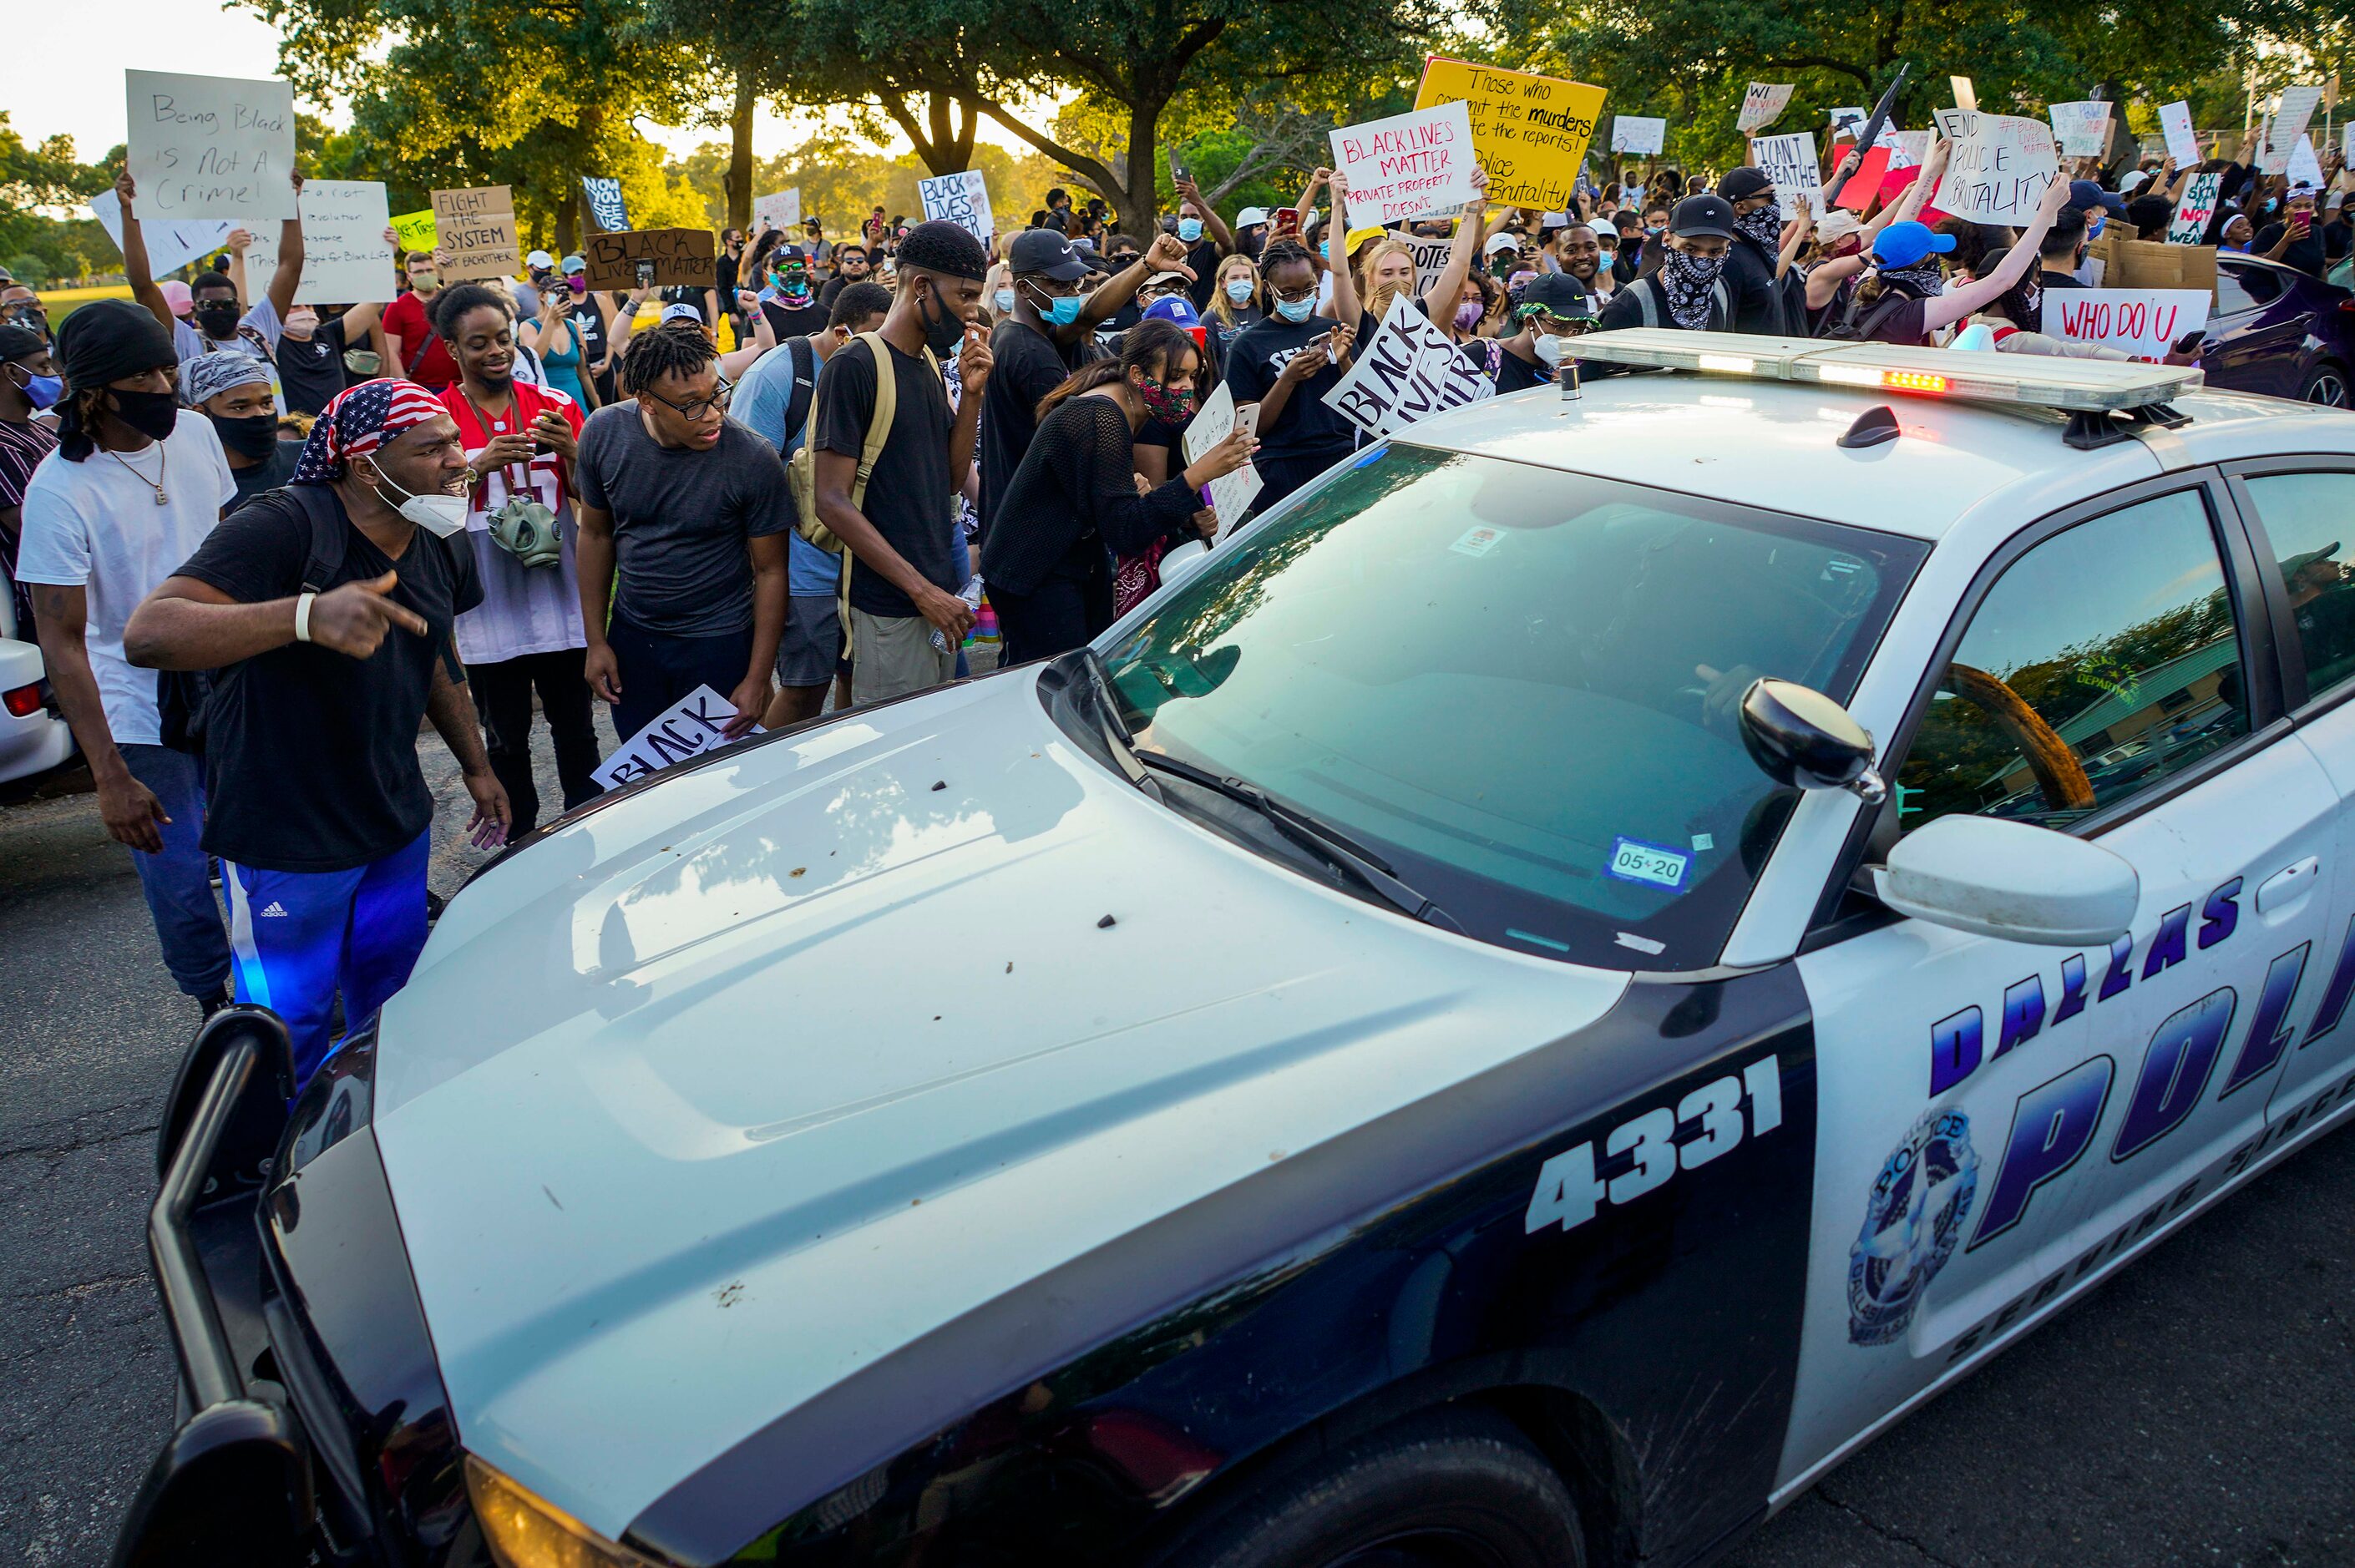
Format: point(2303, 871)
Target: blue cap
point(2086, 196)
point(1174, 308)
point(1903, 244)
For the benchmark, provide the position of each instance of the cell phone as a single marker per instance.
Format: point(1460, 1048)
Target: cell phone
point(1288, 220)
point(1176, 169)
point(1247, 419)
point(539, 443)
point(2189, 342)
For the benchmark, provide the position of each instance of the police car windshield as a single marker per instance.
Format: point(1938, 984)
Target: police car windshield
point(1516, 686)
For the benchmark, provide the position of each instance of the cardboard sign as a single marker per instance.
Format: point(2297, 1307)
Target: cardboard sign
point(693, 727)
point(1231, 494)
point(2083, 129)
point(782, 210)
point(170, 246)
point(2144, 323)
point(2189, 225)
point(211, 146)
point(1429, 261)
point(474, 233)
point(1408, 370)
point(607, 210)
point(668, 256)
point(344, 258)
point(1531, 133)
point(2152, 264)
point(1965, 96)
point(2182, 141)
point(2305, 168)
point(417, 231)
point(1790, 163)
point(961, 199)
point(1999, 167)
point(1638, 133)
point(1407, 165)
point(1763, 104)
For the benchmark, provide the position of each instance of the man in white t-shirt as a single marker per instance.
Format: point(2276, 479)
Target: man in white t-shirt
point(134, 486)
point(215, 322)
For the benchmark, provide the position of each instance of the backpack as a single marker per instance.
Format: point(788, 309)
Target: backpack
point(1847, 328)
point(1652, 302)
point(801, 471)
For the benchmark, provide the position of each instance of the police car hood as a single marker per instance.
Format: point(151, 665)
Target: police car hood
point(735, 1084)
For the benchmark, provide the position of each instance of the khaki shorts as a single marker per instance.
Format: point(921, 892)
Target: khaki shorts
point(892, 655)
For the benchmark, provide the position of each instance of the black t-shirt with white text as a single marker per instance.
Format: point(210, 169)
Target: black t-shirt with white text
point(909, 493)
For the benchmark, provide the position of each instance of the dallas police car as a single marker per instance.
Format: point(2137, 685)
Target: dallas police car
point(1565, 979)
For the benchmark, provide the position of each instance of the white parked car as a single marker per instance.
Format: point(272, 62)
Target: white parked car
point(1569, 975)
point(34, 736)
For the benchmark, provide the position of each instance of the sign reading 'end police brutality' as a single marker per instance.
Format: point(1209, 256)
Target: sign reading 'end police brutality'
point(1999, 167)
point(698, 724)
point(211, 146)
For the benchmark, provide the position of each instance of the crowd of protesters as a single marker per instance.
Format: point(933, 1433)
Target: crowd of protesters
point(261, 540)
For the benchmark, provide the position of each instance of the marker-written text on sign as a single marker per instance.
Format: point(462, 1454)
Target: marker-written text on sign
point(1406, 165)
point(694, 724)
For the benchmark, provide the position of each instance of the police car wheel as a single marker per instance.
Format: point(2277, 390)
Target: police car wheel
point(1462, 1489)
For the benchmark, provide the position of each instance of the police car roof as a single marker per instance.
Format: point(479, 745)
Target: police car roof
point(1774, 444)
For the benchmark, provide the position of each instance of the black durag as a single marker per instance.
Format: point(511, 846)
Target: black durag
point(104, 341)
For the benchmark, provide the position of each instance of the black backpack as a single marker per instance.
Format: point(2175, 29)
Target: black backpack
point(1847, 328)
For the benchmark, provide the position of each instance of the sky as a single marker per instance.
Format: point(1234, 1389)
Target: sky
point(187, 36)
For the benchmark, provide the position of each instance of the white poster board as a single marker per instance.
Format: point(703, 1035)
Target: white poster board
point(1790, 163)
point(2144, 323)
point(2289, 120)
point(2189, 224)
point(1763, 104)
point(1907, 148)
point(345, 260)
point(1999, 167)
point(1638, 133)
point(2305, 168)
point(779, 210)
point(1408, 370)
point(2082, 129)
point(960, 198)
point(1407, 165)
point(691, 728)
point(211, 147)
point(1231, 494)
point(1430, 260)
point(170, 246)
point(1848, 121)
point(2182, 141)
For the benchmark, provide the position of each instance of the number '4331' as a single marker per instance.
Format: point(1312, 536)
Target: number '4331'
point(1568, 1191)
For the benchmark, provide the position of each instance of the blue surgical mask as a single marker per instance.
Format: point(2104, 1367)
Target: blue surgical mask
point(2100, 222)
point(1005, 302)
point(1325, 248)
point(1189, 230)
point(1239, 289)
point(1065, 309)
point(43, 391)
point(1295, 310)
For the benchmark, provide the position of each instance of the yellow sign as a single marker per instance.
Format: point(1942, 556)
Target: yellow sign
point(416, 230)
point(1531, 131)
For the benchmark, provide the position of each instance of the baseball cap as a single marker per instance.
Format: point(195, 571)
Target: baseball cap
point(1042, 252)
point(1701, 216)
point(681, 313)
point(1744, 182)
point(787, 255)
point(575, 264)
point(1174, 308)
point(2085, 195)
point(1557, 294)
point(1251, 216)
point(1499, 243)
point(539, 258)
point(1903, 244)
point(1553, 220)
point(1836, 226)
point(1165, 279)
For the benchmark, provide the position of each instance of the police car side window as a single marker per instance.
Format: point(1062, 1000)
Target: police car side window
point(2309, 521)
point(2102, 661)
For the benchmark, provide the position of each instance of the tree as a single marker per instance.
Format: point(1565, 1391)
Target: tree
point(41, 249)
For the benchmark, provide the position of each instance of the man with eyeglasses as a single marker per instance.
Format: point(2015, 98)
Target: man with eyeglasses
point(692, 509)
point(21, 306)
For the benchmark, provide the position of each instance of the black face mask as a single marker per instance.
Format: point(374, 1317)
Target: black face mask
point(151, 414)
point(217, 321)
point(944, 329)
point(253, 436)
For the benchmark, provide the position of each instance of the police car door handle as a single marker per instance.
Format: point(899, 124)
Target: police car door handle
point(2288, 886)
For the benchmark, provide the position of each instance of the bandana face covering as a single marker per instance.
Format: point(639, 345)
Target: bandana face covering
point(1687, 279)
point(1763, 224)
point(1922, 280)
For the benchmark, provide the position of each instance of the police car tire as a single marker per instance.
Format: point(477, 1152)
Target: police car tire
point(1466, 1472)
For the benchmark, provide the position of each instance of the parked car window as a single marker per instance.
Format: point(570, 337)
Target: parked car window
point(2242, 289)
point(2309, 520)
point(2104, 660)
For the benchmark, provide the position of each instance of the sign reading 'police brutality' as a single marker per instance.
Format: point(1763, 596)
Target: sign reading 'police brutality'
point(211, 146)
point(1790, 163)
point(1763, 104)
point(961, 199)
point(345, 257)
point(696, 725)
point(1408, 370)
point(1407, 164)
point(2145, 322)
point(1531, 133)
point(474, 233)
point(651, 258)
point(1999, 167)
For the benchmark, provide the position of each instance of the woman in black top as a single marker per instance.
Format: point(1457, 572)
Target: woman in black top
point(1075, 501)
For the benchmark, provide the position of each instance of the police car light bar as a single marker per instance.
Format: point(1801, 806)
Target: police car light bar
point(2080, 386)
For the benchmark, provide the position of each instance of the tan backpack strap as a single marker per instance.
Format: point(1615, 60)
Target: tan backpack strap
point(879, 424)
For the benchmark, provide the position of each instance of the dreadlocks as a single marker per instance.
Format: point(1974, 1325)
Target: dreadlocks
point(674, 348)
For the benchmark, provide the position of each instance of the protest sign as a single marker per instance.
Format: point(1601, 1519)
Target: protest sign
point(2189, 225)
point(607, 210)
point(1907, 148)
point(2082, 129)
point(1848, 121)
point(1430, 260)
point(1790, 163)
point(1531, 133)
point(170, 246)
point(344, 258)
point(1863, 187)
point(1407, 165)
point(782, 210)
point(2305, 168)
point(211, 147)
point(416, 230)
point(961, 199)
point(1231, 494)
point(2151, 264)
point(1965, 96)
point(1763, 105)
point(2144, 323)
point(474, 233)
point(692, 726)
point(1638, 133)
point(2182, 141)
point(1999, 167)
point(652, 257)
point(2290, 116)
point(2347, 142)
point(1408, 370)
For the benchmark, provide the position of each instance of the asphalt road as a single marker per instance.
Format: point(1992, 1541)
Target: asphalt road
point(2199, 1410)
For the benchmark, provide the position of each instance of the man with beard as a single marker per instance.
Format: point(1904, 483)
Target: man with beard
point(1688, 294)
point(851, 266)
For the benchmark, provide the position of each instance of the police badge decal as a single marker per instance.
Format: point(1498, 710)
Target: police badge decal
point(1912, 1223)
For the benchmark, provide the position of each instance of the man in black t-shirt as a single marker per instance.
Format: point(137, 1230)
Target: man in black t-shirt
point(849, 267)
point(315, 803)
point(908, 616)
point(1552, 310)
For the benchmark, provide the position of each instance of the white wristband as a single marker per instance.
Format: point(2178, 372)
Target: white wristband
point(303, 617)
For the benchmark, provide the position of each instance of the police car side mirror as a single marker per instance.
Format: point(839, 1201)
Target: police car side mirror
point(1798, 735)
point(2010, 880)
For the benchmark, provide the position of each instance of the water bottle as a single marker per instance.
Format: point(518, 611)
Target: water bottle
point(971, 594)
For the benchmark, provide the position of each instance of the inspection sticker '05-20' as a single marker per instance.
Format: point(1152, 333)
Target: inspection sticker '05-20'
point(1632, 860)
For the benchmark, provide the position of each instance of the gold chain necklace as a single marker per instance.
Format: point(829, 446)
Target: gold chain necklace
point(162, 469)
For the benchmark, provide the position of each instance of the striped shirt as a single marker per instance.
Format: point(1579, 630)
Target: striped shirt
point(22, 448)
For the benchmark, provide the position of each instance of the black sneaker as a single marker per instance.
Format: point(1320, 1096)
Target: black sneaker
point(208, 1005)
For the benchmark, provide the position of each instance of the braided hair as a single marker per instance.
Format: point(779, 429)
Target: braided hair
point(1281, 251)
point(674, 348)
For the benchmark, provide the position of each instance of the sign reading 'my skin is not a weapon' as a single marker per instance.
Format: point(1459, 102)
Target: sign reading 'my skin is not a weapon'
point(211, 146)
